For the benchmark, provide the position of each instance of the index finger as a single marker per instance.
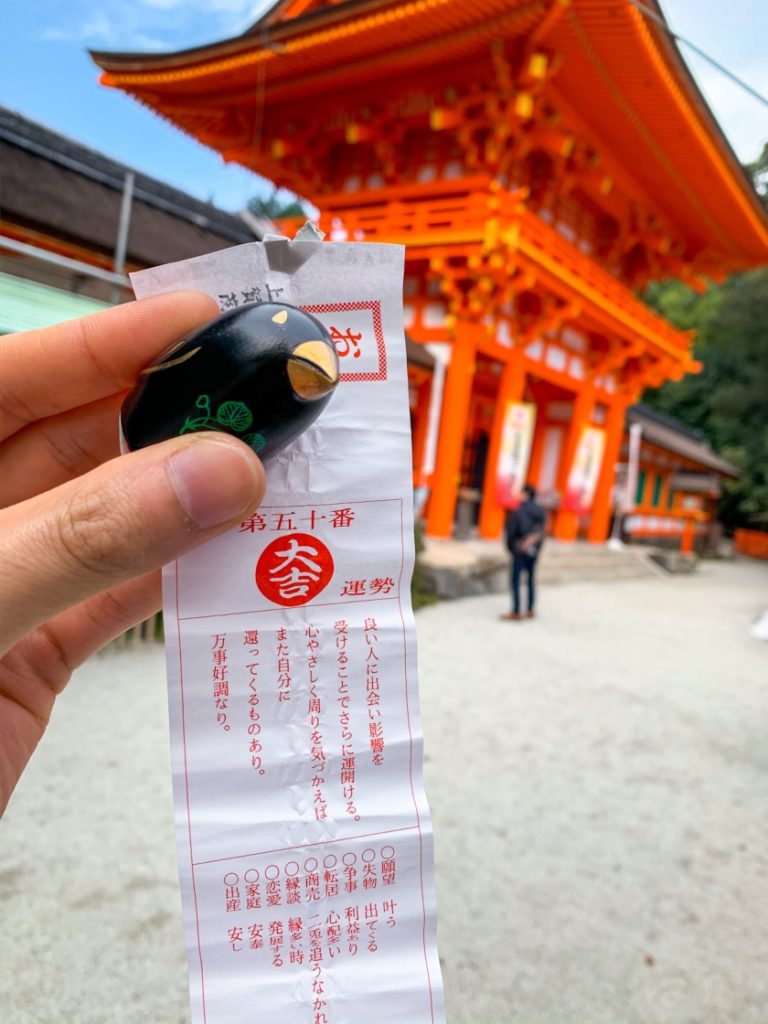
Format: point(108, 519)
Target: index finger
point(49, 371)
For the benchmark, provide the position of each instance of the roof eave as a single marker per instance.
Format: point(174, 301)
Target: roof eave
point(668, 43)
point(338, 12)
point(657, 426)
point(270, 36)
point(261, 34)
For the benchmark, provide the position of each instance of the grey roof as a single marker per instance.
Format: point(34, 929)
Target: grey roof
point(418, 355)
point(27, 143)
point(667, 432)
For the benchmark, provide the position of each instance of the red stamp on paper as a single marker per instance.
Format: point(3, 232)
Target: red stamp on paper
point(357, 333)
point(294, 569)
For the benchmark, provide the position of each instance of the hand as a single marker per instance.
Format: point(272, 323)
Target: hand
point(83, 532)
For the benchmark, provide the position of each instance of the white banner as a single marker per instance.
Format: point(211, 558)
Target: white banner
point(585, 471)
point(514, 452)
point(304, 840)
point(633, 466)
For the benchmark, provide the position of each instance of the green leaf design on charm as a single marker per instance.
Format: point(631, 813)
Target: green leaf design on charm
point(192, 423)
point(255, 441)
point(235, 415)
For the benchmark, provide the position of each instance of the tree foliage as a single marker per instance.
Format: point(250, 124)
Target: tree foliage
point(758, 171)
point(274, 208)
point(728, 400)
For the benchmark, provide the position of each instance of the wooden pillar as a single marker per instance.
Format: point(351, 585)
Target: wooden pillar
point(600, 517)
point(511, 389)
point(566, 523)
point(537, 448)
point(453, 429)
point(686, 541)
point(423, 393)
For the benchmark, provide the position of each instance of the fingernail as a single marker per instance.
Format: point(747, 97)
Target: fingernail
point(215, 481)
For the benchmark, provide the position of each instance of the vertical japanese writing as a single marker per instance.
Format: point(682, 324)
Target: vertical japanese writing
point(314, 708)
point(319, 1016)
point(232, 901)
point(220, 679)
point(292, 884)
point(319, 922)
point(373, 692)
point(350, 872)
point(283, 666)
point(352, 918)
point(343, 744)
point(252, 882)
point(388, 866)
point(348, 759)
point(370, 877)
point(371, 923)
point(276, 942)
point(333, 933)
point(295, 934)
point(273, 886)
point(251, 641)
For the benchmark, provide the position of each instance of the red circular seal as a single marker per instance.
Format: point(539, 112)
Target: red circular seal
point(294, 569)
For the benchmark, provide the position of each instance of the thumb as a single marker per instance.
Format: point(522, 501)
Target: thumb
point(123, 519)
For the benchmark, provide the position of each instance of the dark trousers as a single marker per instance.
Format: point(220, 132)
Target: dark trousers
point(523, 564)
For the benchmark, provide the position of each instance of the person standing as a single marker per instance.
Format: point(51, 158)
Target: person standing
point(525, 527)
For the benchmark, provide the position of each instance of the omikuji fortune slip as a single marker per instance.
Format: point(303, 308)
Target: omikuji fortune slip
point(304, 839)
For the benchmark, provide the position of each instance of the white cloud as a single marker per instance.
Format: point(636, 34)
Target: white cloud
point(240, 8)
point(156, 24)
point(97, 27)
point(113, 30)
point(226, 17)
point(143, 42)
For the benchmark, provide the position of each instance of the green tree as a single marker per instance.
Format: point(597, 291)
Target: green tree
point(758, 171)
point(275, 208)
point(728, 400)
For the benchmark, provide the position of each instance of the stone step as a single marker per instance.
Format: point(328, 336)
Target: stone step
point(587, 558)
point(616, 573)
point(466, 568)
point(581, 567)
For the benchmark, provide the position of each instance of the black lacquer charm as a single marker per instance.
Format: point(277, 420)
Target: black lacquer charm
point(263, 373)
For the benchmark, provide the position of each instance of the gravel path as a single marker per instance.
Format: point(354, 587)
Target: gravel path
point(598, 780)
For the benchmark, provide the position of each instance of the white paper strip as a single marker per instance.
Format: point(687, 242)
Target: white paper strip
point(304, 840)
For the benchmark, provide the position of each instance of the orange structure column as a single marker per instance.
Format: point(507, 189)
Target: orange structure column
point(453, 429)
point(600, 517)
point(686, 541)
point(510, 390)
point(566, 523)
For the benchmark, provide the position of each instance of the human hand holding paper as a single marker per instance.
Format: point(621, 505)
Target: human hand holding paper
point(303, 833)
point(295, 737)
point(82, 533)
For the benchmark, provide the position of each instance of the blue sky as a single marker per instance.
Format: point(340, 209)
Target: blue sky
point(47, 75)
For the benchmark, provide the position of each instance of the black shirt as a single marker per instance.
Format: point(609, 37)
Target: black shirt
point(522, 522)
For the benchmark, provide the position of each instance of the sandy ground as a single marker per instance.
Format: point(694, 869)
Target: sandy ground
point(599, 786)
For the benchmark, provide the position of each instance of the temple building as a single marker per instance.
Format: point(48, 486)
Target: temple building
point(75, 222)
point(542, 161)
point(678, 479)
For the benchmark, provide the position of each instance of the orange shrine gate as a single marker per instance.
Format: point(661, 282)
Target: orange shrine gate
point(542, 160)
